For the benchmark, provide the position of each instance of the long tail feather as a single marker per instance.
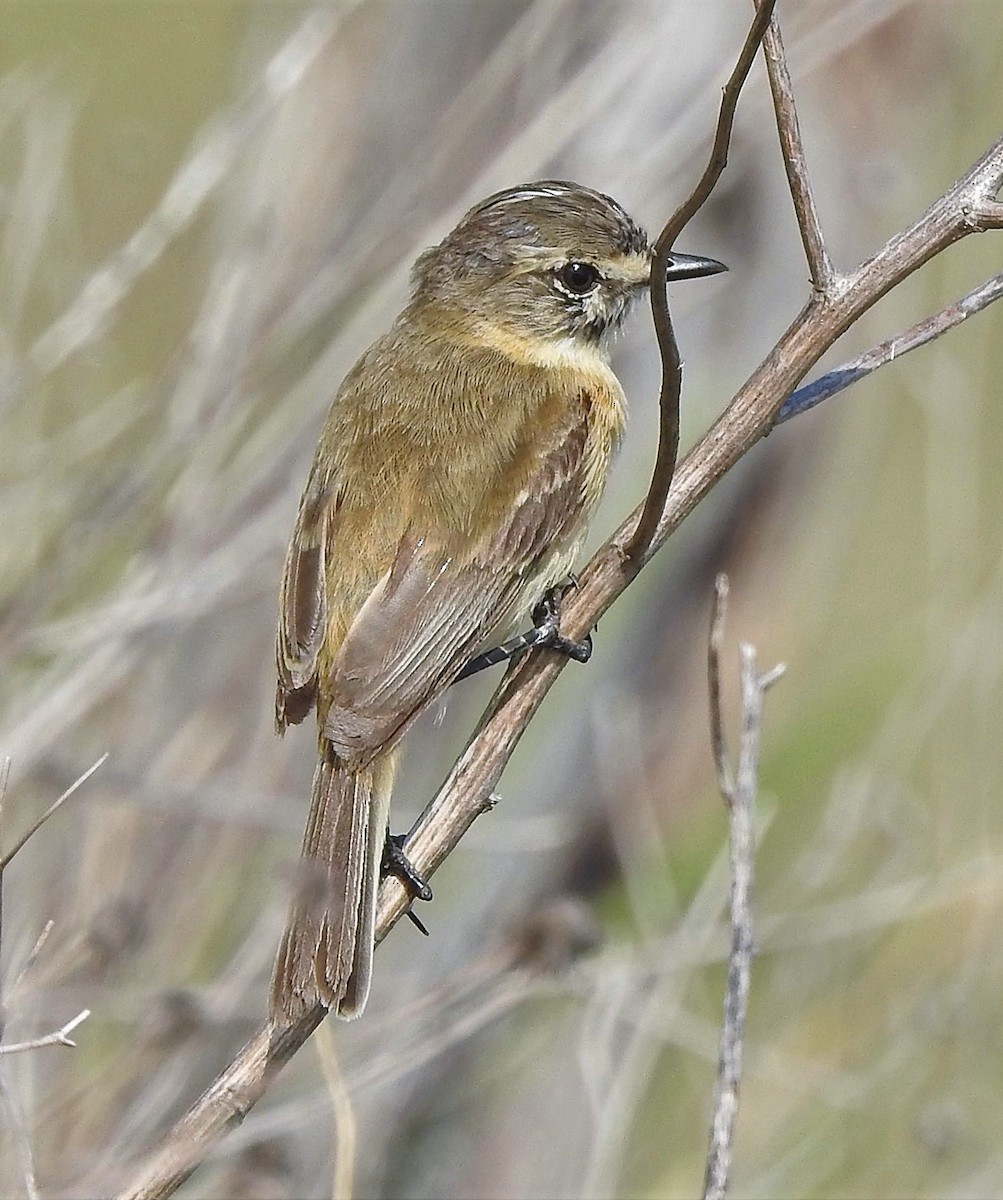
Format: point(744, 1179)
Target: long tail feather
point(326, 951)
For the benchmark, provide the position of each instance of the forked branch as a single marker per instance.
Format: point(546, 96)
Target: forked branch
point(891, 349)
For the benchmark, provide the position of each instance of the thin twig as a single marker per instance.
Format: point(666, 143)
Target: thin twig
point(891, 349)
point(210, 163)
point(792, 148)
point(32, 958)
point(4, 781)
point(60, 1037)
point(6, 860)
point(18, 1129)
point(15, 1118)
point(344, 1128)
point(714, 643)
point(740, 799)
point(672, 365)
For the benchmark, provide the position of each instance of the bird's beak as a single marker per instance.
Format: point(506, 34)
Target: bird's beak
point(691, 266)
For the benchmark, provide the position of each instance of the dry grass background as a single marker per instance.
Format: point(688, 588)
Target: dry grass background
point(206, 211)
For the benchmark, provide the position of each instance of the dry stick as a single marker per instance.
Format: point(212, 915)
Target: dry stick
point(4, 781)
point(8, 1101)
point(969, 206)
point(718, 746)
point(891, 349)
point(823, 276)
point(33, 954)
point(344, 1130)
point(740, 802)
point(54, 807)
point(739, 795)
point(667, 453)
point(61, 1037)
point(819, 264)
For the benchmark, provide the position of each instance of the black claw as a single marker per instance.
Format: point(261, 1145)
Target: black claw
point(547, 617)
point(396, 862)
point(413, 917)
point(578, 651)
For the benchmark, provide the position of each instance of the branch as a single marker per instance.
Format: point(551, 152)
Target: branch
point(988, 214)
point(714, 642)
point(892, 348)
point(6, 860)
point(209, 164)
point(672, 365)
point(795, 163)
point(61, 1037)
point(740, 798)
point(965, 208)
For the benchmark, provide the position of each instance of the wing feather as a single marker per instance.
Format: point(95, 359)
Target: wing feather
point(438, 604)
point(303, 606)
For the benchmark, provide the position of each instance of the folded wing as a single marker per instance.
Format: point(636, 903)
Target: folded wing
point(443, 597)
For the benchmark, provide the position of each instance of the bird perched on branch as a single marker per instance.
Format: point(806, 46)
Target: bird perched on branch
point(453, 484)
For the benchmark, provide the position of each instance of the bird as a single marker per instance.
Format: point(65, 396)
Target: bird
point(453, 484)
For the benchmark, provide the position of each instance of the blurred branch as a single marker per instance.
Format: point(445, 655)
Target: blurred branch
point(714, 643)
point(892, 348)
point(33, 954)
point(17, 1126)
point(216, 147)
point(672, 364)
point(740, 799)
point(969, 206)
point(19, 845)
point(61, 1037)
point(343, 1124)
point(4, 781)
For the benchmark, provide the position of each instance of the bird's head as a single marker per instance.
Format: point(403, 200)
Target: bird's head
point(551, 260)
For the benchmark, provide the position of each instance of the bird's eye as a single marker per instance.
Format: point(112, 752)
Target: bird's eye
point(577, 278)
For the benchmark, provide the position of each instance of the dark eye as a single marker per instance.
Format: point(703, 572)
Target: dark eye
point(578, 278)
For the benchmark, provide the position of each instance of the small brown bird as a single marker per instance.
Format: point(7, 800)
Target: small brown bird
point(454, 481)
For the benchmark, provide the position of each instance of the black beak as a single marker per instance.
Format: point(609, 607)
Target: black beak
point(692, 266)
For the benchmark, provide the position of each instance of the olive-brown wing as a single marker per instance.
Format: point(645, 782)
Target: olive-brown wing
point(302, 607)
point(437, 605)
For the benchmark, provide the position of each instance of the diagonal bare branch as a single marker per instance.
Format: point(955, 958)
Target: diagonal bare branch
point(60, 1037)
point(725, 782)
point(19, 845)
point(891, 349)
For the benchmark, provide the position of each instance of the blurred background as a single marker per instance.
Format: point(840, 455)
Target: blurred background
point(206, 212)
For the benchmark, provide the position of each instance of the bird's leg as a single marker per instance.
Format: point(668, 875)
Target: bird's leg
point(546, 632)
point(396, 862)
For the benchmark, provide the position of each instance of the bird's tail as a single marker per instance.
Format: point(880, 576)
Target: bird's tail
point(326, 953)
